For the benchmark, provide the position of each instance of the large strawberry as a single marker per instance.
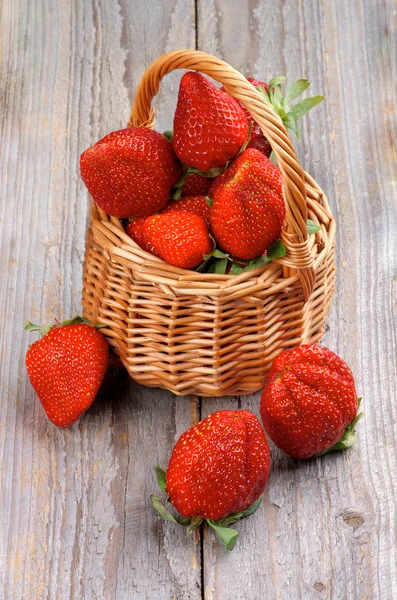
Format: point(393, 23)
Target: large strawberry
point(257, 139)
point(209, 125)
point(135, 229)
point(248, 209)
point(66, 368)
point(181, 239)
point(218, 468)
point(199, 205)
point(129, 173)
point(309, 404)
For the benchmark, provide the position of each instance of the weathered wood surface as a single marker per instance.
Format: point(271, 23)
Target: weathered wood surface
point(75, 520)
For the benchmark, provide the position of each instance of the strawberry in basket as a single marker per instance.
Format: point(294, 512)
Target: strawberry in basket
point(209, 125)
point(195, 185)
point(129, 173)
point(181, 239)
point(135, 229)
point(200, 205)
point(217, 472)
point(248, 208)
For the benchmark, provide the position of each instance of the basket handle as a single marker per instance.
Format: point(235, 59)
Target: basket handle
point(294, 234)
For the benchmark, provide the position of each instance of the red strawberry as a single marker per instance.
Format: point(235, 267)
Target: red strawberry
point(309, 402)
point(195, 185)
point(129, 173)
point(181, 239)
point(135, 229)
point(219, 466)
point(248, 209)
point(66, 368)
point(193, 204)
point(209, 125)
point(257, 139)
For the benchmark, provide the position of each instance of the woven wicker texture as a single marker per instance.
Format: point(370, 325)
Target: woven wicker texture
point(209, 334)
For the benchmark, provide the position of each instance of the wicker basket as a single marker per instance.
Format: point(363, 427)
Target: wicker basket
point(209, 334)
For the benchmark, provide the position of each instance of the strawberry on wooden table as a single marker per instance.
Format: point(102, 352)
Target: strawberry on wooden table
point(309, 405)
point(209, 125)
point(66, 368)
point(248, 208)
point(129, 173)
point(217, 471)
point(181, 239)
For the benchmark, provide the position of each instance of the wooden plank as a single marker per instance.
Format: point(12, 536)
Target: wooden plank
point(327, 527)
point(75, 517)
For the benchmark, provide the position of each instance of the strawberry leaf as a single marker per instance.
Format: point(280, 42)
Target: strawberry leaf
point(218, 266)
point(290, 121)
point(257, 262)
point(162, 510)
point(242, 514)
point(276, 250)
point(304, 106)
point(349, 437)
point(164, 513)
point(43, 329)
point(214, 172)
point(236, 268)
point(280, 80)
point(294, 90)
point(227, 536)
point(263, 93)
point(312, 227)
point(160, 474)
point(168, 134)
point(179, 185)
point(208, 201)
point(219, 254)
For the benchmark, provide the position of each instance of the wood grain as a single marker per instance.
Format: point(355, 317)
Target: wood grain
point(75, 516)
point(327, 527)
point(75, 519)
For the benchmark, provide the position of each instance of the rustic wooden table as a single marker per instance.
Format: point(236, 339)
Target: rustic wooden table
point(75, 516)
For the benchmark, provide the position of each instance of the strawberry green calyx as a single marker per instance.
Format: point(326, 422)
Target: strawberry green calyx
point(349, 437)
point(221, 527)
point(168, 135)
point(280, 102)
point(44, 329)
point(177, 189)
